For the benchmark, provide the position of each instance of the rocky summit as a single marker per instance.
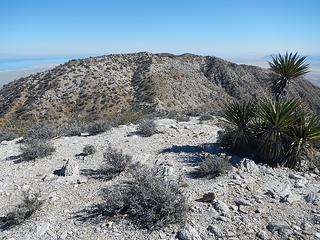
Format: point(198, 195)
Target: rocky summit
point(251, 201)
point(101, 86)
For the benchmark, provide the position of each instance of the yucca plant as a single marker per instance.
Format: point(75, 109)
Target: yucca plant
point(274, 119)
point(240, 115)
point(289, 66)
point(303, 134)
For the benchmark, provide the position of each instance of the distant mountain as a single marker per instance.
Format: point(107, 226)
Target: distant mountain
point(101, 86)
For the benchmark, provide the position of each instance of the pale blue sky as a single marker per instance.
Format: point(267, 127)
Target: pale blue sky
point(227, 28)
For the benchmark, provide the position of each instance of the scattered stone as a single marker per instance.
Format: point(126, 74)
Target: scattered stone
point(295, 176)
point(221, 207)
point(216, 231)
point(242, 202)
point(42, 228)
point(166, 170)
point(276, 227)
point(262, 235)
point(300, 183)
point(64, 235)
point(70, 168)
point(207, 197)
point(288, 196)
point(313, 198)
point(188, 233)
point(247, 165)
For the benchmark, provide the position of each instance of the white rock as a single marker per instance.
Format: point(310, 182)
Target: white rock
point(42, 228)
point(287, 195)
point(300, 183)
point(295, 176)
point(313, 198)
point(262, 235)
point(221, 207)
point(242, 202)
point(248, 165)
point(167, 170)
point(188, 233)
point(71, 168)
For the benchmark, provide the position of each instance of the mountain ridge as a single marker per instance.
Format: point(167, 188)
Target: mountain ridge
point(101, 86)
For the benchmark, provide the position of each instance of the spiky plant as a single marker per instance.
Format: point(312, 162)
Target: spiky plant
point(274, 119)
point(303, 134)
point(240, 115)
point(289, 66)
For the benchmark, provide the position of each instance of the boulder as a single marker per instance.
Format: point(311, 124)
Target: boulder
point(188, 233)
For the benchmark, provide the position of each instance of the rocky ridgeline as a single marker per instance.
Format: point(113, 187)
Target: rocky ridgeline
point(101, 86)
point(252, 201)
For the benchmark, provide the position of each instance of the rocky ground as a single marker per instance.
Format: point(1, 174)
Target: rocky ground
point(251, 202)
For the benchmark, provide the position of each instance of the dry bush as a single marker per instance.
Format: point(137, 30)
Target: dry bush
point(214, 166)
point(89, 150)
point(42, 132)
point(147, 128)
point(98, 126)
point(115, 161)
point(30, 204)
point(36, 149)
point(148, 200)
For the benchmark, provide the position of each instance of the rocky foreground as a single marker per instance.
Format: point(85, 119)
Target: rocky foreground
point(250, 202)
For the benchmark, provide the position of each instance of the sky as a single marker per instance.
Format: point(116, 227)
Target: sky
point(226, 28)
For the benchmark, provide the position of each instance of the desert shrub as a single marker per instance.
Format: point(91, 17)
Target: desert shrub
point(98, 126)
point(30, 204)
point(43, 132)
point(73, 128)
point(214, 166)
point(7, 135)
point(148, 200)
point(180, 117)
point(36, 149)
point(115, 161)
point(147, 128)
point(89, 150)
